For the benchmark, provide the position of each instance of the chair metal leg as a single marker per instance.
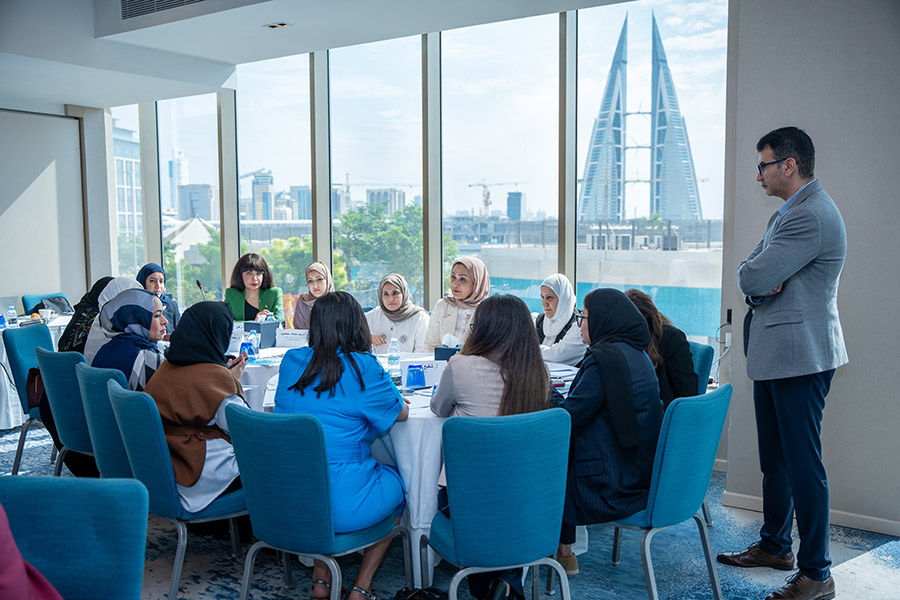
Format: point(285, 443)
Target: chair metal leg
point(556, 568)
point(454, 584)
point(535, 581)
point(617, 546)
point(234, 537)
point(710, 562)
point(551, 584)
point(652, 594)
point(248, 568)
point(59, 461)
point(423, 561)
point(179, 559)
point(406, 539)
point(288, 570)
point(707, 516)
point(21, 446)
point(336, 582)
point(52, 453)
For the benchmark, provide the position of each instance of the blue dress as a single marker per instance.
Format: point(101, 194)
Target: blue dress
point(363, 491)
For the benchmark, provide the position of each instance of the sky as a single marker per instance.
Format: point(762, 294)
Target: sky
point(499, 109)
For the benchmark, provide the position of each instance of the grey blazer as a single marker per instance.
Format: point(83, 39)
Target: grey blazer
point(797, 331)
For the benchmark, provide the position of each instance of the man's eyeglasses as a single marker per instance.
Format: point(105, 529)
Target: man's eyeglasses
point(762, 166)
point(579, 317)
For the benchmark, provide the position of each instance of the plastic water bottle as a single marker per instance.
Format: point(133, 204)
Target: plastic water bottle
point(394, 363)
point(253, 338)
point(2, 322)
point(11, 318)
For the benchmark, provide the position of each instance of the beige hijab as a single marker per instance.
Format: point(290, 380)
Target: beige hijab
point(407, 309)
point(320, 268)
point(481, 283)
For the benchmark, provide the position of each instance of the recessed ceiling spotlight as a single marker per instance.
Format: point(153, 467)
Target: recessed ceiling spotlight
point(276, 25)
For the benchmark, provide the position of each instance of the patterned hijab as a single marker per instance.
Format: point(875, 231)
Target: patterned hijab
point(320, 268)
point(481, 283)
point(565, 306)
point(122, 340)
point(613, 318)
point(95, 337)
point(407, 308)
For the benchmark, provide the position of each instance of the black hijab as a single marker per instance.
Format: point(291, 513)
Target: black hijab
point(203, 334)
point(85, 312)
point(612, 317)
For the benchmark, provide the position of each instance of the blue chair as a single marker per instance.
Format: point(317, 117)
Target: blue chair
point(683, 464)
point(20, 345)
point(506, 480)
point(64, 396)
point(30, 301)
point(86, 536)
point(702, 357)
point(299, 485)
point(145, 443)
point(109, 450)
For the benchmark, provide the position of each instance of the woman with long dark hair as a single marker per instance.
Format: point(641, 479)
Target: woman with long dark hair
point(668, 350)
point(337, 380)
point(616, 416)
point(253, 292)
point(498, 372)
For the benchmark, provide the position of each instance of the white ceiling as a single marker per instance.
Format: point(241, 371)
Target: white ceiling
point(57, 52)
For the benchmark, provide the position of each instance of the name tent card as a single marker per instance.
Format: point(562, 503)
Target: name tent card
point(291, 338)
point(237, 336)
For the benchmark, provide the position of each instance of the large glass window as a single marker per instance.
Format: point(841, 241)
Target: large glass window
point(651, 141)
point(500, 122)
point(274, 168)
point(376, 153)
point(129, 210)
point(189, 194)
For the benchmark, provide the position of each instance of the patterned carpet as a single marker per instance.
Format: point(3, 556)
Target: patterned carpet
point(866, 565)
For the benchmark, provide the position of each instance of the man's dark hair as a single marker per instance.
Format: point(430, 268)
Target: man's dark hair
point(791, 142)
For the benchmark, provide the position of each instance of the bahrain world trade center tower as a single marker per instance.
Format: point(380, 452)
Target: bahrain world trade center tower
point(673, 181)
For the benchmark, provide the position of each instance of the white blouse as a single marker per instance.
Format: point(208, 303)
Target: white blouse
point(568, 351)
point(410, 333)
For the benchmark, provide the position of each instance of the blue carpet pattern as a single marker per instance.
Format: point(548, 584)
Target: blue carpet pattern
point(866, 564)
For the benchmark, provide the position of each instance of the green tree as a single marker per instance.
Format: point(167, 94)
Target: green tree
point(288, 260)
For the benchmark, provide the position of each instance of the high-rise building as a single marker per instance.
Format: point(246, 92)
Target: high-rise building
point(129, 204)
point(178, 176)
point(393, 197)
point(673, 182)
point(301, 201)
point(340, 200)
point(602, 194)
point(263, 196)
point(515, 206)
point(198, 200)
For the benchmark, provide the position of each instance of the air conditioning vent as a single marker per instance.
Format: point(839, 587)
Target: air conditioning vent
point(137, 8)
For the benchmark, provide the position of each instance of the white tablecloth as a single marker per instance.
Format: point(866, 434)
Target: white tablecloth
point(11, 414)
point(258, 373)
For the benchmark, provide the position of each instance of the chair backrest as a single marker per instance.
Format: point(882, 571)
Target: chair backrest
point(86, 536)
point(506, 479)
point(702, 357)
point(685, 454)
point(106, 441)
point(284, 473)
point(21, 343)
point(64, 395)
point(30, 301)
point(145, 443)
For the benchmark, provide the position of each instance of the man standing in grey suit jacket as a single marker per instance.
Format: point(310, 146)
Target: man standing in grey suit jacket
point(790, 281)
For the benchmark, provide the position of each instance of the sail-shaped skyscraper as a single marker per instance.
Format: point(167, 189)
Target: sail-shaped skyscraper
point(673, 181)
point(602, 195)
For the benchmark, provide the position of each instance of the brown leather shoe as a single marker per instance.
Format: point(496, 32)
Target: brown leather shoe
point(754, 556)
point(801, 587)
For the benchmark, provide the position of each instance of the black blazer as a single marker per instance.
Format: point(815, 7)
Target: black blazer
point(605, 481)
point(676, 375)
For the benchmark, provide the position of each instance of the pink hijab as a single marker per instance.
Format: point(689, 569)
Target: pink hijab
point(481, 283)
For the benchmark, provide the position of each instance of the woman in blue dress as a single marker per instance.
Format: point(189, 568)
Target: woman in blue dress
point(340, 382)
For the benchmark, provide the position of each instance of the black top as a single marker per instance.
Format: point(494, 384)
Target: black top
point(677, 378)
point(250, 311)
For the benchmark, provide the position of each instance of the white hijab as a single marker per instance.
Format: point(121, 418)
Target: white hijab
point(560, 285)
point(95, 338)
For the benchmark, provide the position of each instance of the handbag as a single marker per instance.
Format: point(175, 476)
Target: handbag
point(34, 388)
point(58, 304)
point(420, 594)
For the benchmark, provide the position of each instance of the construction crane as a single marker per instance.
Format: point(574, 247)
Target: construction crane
point(486, 193)
point(256, 172)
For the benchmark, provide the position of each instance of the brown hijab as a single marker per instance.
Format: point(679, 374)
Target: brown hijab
point(407, 309)
point(481, 283)
point(317, 267)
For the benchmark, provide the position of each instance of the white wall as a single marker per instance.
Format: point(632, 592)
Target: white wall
point(41, 223)
point(831, 69)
